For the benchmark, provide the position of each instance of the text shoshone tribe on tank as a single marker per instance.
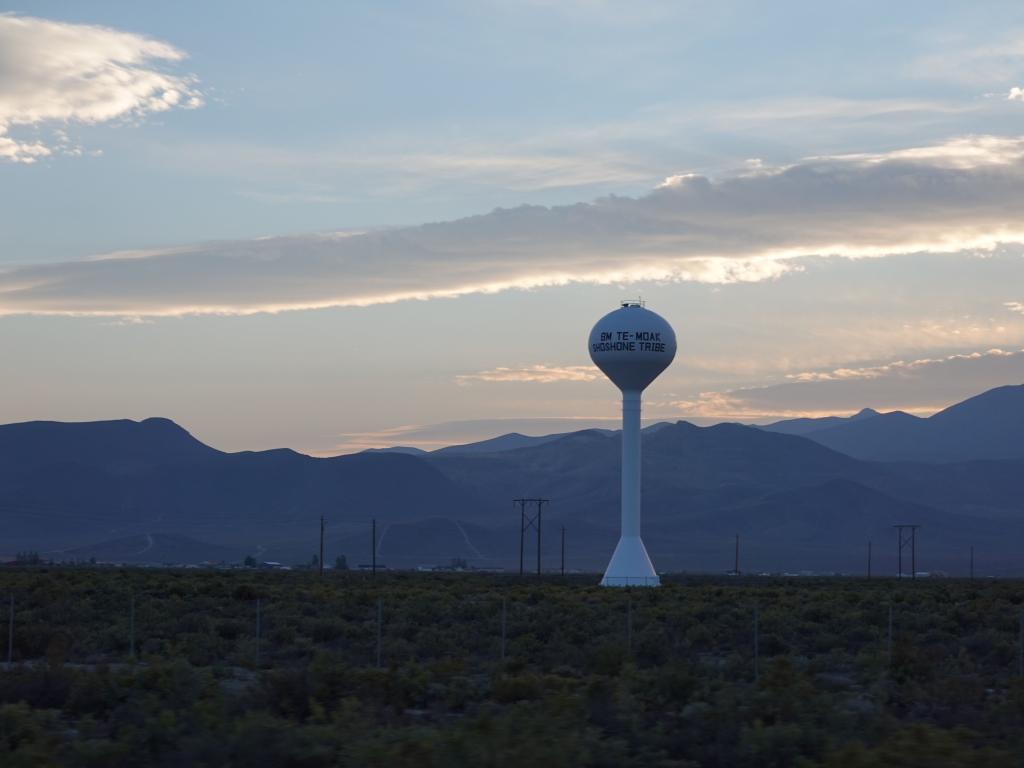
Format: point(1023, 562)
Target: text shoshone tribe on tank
point(628, 341)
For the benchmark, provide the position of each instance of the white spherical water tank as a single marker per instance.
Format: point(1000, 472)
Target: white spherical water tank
point(631, 346)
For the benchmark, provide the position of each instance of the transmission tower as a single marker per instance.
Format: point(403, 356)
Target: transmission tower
point(906, 536)
point(527, 521)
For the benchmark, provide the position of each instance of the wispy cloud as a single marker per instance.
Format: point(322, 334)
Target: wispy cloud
point(735, 405)
point(534, 374)
point(964, 195)
point(917, 386)
point(996, 61)
point(518, 166)
point(1015, 306)
point(895, 367)
point(54, 73)
point(966, 153)
point(625, 150)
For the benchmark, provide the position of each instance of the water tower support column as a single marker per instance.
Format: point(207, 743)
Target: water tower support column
point(630, 565)
point(631, 464)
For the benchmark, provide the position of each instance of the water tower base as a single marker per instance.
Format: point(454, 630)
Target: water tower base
point(630, 566)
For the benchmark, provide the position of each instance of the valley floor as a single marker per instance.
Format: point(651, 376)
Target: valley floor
point(164, 667)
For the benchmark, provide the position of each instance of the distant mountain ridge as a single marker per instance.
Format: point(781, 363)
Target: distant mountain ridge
point(510, 441)
point(805, 426)
point(64, 486)
point(986, 426)
point(112, 445)
point(148, 491)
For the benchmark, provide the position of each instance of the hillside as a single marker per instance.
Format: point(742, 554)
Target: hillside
point(76, 485)
point(150, 492)
point(987, 426)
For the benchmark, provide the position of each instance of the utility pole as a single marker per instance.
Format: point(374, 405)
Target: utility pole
point(563, 550)
point(373, 560)
point(321, 545)
point(913, 552)
point(522, 529)
point(904, 540)
point(540, 511)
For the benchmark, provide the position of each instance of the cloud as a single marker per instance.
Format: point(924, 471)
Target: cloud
point(54, 73)
point(1016, 94)
point(966, 153)
point(537, 374)
point(896, 367)
point(964, 195)
point(627, 151)
point(996, 61)
point(678, 180)
point(920, 386)
point(384, 170)
point(1015, 306)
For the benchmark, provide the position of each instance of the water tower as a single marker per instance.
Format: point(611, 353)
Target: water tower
point(631, 346)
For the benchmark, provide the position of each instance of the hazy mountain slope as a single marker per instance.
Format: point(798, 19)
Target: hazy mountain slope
point(988, 426)
point(398, 449)
point(727, 454)
point(991, 489)
point(509, 442)
point(577, 471)
point(687, 470)
point(142, 478)
point(806, 425)
point(893, 436)
point(113, 446)
point(514, 441)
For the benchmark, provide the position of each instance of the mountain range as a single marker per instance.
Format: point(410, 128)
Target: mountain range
point(987, 426)
point(805, 494)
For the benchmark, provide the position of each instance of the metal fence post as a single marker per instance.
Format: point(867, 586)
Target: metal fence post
point(504, 625)
point(757, 650)
point(380, 617)
point(257, 631)
point(10, 634)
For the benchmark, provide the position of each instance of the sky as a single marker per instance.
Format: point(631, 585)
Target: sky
point(334, 226)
